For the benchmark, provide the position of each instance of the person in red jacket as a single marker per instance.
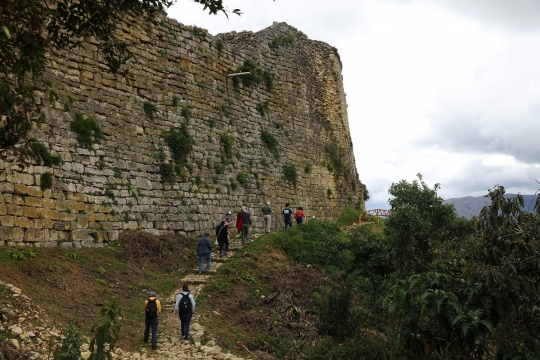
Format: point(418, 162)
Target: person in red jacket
point(299, 215)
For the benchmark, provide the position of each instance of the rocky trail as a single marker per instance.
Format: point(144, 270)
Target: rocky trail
point(170, 344)
point(33, 333)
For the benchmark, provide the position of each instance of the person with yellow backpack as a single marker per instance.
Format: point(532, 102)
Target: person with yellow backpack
point(152, 309)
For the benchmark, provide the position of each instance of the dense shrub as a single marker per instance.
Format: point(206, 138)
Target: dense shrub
point(320, 243)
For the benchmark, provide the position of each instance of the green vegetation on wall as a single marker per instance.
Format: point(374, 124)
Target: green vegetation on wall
point(262, 107)
point(150, 109)
point(271, 142)
point(87, 130)
point(281, 40)
point(290, 174)
point(46, 181)
point(180, 144)
point(257, 76)
point(42, 155)
point(220, 45)
point(226, 143)
point(337, 156)
point(166, 170)
point(242, 178)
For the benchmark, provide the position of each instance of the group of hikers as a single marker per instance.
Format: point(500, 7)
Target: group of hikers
point(185, 303)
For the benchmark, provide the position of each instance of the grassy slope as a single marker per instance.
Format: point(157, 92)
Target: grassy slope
point(71, 285)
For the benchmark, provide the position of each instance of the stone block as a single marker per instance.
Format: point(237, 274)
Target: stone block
point(81, 234)
point(50, 214)
point(67, 216)
point(24, 222)
point(34, 191)
point(144, 183)
point(34, 201)
point(16, 235)
point(49, 203)
point(20, 189)
point(77, 167)
point(43, 223)
point(15, 210)
point(8, 221)
point(82, 221)
point(3, 209)
point(34, 235)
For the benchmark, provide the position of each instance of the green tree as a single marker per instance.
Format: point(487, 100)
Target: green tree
point(29, 29)
point(483, 301)
point(418, 224)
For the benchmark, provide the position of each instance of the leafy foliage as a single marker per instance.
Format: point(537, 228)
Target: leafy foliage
point(149, 109)
point(71, 343)
point(106, 332)
point(87, 130)
point(335, 314)
point(226, 143)
point(166, 171)
point(220, 45)
point(281, 40)
point(271, 142)
point(46, 181)
point(42, 155)
point(180, 144)
point(290, 174)
point(257, 76)
point(337, 156)
point(418, 224)
point(242, 178)
point(262, 107)
point(320, 243)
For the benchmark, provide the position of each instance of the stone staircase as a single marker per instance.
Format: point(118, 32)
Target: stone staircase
point(170, 343)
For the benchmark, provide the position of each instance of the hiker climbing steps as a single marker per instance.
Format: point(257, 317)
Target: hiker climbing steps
point(170, 344)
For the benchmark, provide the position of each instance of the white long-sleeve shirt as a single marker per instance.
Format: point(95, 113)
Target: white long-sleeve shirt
point(180, 298)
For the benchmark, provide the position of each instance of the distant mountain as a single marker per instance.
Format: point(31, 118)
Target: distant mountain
point(471, 206)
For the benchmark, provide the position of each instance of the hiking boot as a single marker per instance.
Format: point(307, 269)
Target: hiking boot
point(154, 347)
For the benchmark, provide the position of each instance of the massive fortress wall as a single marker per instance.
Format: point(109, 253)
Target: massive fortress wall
point(179, 72)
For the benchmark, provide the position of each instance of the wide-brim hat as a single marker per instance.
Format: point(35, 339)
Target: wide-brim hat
point(268, 203)
point(151, 293)
point(244, 209)
point(229, 213)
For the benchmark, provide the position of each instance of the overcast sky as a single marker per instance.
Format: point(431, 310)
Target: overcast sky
point(446, 88)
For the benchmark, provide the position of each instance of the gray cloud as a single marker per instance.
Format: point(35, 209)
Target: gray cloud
point(477, 179)
point(521, 15)
point(460, 132)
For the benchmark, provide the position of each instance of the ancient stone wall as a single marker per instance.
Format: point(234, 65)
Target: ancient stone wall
point(178, 76)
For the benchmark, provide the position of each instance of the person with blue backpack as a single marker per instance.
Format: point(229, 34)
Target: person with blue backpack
point(152, 309)
point(185, 307)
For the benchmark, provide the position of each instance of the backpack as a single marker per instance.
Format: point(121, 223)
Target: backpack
point(151, 309)
point(185, 304)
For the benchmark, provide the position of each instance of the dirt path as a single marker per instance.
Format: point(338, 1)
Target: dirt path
point(170, 343)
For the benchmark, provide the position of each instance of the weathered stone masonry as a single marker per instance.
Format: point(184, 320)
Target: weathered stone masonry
point(116, 185)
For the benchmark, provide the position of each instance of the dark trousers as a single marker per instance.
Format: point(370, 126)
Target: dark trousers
point(154, 324)
point(185, 320)
point(288, 224)
point(223, 245)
